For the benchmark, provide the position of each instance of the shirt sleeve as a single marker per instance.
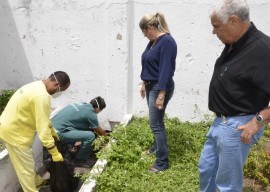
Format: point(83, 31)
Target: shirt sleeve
point(43, 123)
point(93, 121)
point(167, 63)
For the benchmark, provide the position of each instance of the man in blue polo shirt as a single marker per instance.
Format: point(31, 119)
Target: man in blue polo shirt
point(76, 122)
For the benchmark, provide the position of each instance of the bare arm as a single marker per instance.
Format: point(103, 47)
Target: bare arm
point(100, 131)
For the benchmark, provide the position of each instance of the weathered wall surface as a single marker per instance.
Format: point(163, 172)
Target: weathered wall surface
point(14, 66)
point(99, 44)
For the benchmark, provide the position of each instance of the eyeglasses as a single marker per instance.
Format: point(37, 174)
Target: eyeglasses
point(58, 89)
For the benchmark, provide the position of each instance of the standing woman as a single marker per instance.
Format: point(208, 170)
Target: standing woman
point(158, 66)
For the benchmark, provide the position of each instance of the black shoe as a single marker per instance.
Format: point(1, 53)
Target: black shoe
point(84, 163)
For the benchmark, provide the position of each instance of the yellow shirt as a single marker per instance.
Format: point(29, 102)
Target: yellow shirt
point(27, 112)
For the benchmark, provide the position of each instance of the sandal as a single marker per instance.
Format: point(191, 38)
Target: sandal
point(148, 152)
point(152, 169)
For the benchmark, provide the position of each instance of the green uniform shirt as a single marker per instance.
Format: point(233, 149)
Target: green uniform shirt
point(27, 111)
point(80, 116)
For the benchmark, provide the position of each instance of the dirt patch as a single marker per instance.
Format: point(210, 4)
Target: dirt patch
point(250, 185)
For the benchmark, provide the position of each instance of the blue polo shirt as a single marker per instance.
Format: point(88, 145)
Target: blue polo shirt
point(79, 116)
point(158, 62)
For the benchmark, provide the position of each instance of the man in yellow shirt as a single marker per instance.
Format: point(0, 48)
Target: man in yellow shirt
point(28, 112)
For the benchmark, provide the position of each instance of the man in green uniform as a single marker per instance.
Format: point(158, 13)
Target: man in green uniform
point(76, 122)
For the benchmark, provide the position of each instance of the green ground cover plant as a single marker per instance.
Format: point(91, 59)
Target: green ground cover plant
point(127, 163)
point(5, 95)
point(4, 98)
point(258, 162)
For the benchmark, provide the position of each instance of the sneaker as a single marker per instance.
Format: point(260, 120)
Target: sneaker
point(73, 151)
point(44, 184)
point(40, 181)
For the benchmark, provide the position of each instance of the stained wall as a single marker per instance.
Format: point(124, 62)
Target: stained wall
point(99, 44)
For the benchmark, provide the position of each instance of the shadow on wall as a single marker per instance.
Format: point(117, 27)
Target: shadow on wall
point(14, 67)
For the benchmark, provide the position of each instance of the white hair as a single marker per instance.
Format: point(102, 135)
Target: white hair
point(226, 8)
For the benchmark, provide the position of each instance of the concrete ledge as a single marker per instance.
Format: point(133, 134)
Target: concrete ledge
point(90, 185)
point(9, 180)
point(3, 154)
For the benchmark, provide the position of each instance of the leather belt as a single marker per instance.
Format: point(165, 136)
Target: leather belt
point(151, 82)
point(241, 114)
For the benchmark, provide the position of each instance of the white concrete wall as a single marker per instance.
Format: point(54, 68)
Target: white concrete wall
point(99, 44)
point(8, 180)
point(14, 66)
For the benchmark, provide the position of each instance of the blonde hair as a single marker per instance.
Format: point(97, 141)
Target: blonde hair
point(156, 20)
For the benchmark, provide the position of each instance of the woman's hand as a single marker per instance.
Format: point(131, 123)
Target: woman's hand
point(160, 100)
point(159, 104)
point(143, 93)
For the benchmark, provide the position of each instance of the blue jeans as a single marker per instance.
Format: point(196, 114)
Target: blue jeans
point(74, 135)
point(156, 120)
point(224, 155)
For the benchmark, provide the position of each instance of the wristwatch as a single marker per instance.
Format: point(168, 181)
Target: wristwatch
point(259, 118)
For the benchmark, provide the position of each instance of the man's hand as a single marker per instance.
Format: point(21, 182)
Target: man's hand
point(249, 129)
point(100, 131)
point(56, 156)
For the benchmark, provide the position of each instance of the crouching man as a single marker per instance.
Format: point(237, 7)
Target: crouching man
point(76, 122)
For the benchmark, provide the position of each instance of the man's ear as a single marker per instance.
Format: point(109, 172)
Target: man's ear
point(234, 19)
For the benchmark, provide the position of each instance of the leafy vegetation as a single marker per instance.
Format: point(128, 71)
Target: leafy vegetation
point(258, 162)
point(4, 98)
point(127, 163)
point(5, 95)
